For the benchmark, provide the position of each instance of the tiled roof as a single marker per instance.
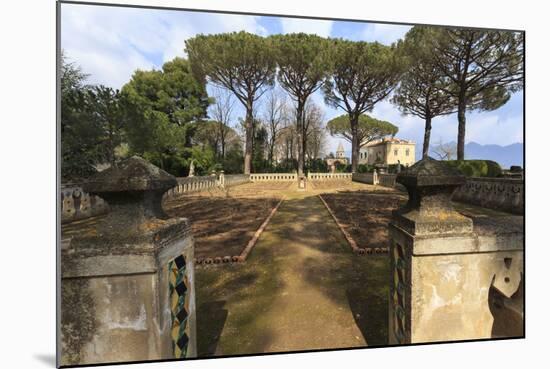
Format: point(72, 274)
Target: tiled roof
point(390, 140)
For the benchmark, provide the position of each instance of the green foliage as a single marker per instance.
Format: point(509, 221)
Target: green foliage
point(286, 166)
point(421, 91)
point(92, 120)
point(365, 168)
point(162, 106)
point(363, 74)
point(343, 168)
point(173, 91)
point(476, 168)
point(304, 64)
point(317, 166)
point(483, 66)
point(233, 161)
point(240, 62)
point(368, 128)
point(260, 164)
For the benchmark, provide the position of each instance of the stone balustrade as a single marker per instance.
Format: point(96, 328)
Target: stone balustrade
point(265, 177)
point(494, 193)
point(77, 204)
point(193, 184)
point(228, 180)
point(328, 176)
point(382, 179)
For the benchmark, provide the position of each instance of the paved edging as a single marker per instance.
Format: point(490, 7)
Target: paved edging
point(246, 251)
point(356, 249)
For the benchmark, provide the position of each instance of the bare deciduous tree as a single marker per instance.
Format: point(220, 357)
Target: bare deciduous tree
point(444, 151)
point(222, 112)
point(276, 118)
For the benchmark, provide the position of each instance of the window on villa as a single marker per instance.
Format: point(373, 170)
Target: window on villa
point(407, 152)
point(395, 152)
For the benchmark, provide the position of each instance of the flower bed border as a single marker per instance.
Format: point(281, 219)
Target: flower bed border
point(241, 258)
point(356, 249)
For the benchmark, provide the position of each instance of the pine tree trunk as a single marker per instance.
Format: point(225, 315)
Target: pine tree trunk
point(354, 143)
point(427, 133)
point(222, 140)
point(461, 129)
point(249, 134)
point(300, 133)
point(304, 143)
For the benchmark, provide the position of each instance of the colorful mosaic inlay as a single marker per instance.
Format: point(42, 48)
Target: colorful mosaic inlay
point(179, 304)
point(398, 292)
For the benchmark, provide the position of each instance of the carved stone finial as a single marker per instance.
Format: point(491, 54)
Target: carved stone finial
point(134, 190)
point(430, 184)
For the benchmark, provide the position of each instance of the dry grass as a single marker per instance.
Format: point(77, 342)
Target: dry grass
point(224, 221)
point(365, 215)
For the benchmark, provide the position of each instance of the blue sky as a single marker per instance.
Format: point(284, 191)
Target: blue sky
point(110, 43)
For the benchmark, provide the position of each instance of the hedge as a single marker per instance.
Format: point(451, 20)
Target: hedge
point(477, 168)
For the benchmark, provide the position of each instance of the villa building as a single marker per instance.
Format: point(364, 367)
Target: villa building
point(388, 151)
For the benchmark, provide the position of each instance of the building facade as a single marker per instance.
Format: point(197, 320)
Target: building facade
point(388, 151)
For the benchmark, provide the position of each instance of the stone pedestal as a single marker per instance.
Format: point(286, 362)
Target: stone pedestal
point(375, 180)
point(444, 265)
point(302, 183)
point(128, 281)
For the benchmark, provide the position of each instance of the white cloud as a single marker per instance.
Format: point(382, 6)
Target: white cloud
point(490, 128)
point(384, 33)
point(110, 43)
point(319, 27)
point(496, 127)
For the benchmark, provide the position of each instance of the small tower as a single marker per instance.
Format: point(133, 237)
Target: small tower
point(340, 151)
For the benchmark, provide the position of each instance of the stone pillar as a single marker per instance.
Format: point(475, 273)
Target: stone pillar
point(445, 266)
point(375, 177)
point(222, 179)
point(128, 280)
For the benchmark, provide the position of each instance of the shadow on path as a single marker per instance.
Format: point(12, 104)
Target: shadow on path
point(301, 289)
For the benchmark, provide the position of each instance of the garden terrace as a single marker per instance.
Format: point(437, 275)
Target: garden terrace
point(224, 221)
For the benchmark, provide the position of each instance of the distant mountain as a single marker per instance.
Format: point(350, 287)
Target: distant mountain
point(504, 155)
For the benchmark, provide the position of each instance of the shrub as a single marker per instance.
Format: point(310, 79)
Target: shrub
point(365, 168)
point(343, 168)
point(477, 168)
point(317, 166)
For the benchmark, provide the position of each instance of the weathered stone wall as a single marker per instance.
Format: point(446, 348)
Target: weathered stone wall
point(447, 268)
point(441, 287)
point(495, 193)
point(326, 176)
point(127, 280)
point(118, 307)
point(387, 180)
point(77, 204)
